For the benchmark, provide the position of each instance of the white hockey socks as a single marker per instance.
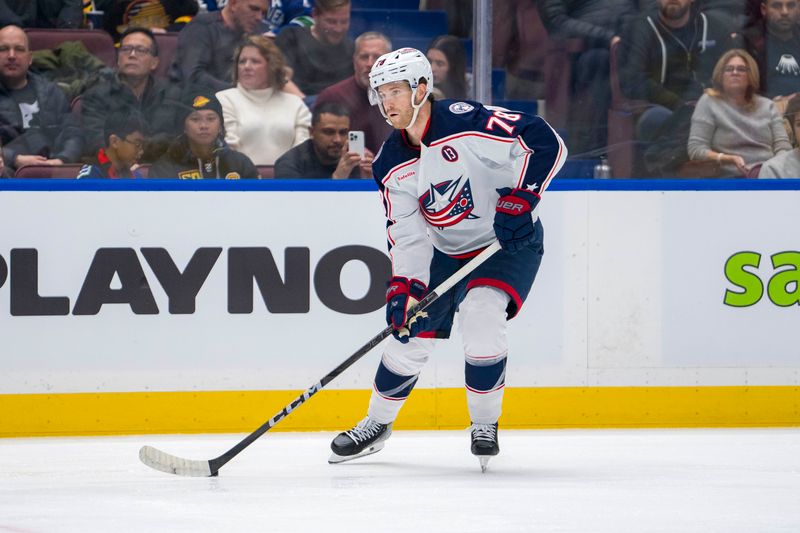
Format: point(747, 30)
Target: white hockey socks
point(396, 377)
point(482, 318)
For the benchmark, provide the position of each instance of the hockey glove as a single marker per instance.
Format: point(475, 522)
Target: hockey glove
point(513, 224)
point(404, 293)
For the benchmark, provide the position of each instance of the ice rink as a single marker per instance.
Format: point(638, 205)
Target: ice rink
point(566, 481)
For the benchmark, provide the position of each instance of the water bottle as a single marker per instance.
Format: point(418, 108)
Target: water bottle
point(602, 170)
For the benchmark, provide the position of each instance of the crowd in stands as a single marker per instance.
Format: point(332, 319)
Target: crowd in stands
point(236, 89)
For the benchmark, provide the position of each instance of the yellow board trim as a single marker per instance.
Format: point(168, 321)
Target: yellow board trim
point(25, 415)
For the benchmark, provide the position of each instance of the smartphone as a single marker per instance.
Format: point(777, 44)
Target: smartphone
point(355, 142)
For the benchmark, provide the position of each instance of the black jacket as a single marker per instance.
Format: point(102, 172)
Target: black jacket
point(159, 105)
point(204, 56)
point(595, 21)
point(58, 135)
point(770, 54)
point(179, 162)
point(302, 162)
point(655, 68)
point(46, 13)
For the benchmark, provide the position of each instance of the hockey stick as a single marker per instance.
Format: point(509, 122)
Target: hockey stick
point(173, 464)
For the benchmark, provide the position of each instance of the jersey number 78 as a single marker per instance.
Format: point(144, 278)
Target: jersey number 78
point(499, 119)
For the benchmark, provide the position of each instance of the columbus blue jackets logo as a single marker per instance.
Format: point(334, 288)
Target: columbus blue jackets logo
point(448, 203)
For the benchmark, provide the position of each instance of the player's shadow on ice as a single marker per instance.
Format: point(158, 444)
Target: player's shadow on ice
point(420, 469)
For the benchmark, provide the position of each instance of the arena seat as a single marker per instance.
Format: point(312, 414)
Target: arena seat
point(98, 42)
point(386, 4)
point(266, 171)
point(167, 44)
point(498, 84)
point(69, 171)
point(399, 23)
point(621, 122)
point(530, 107)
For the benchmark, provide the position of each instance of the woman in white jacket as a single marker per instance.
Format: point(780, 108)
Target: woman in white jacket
point(261, 120)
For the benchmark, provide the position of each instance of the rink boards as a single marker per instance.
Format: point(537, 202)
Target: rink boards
point(171, 307)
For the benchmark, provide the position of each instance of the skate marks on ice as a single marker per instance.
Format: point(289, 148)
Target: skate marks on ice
point(627, 480)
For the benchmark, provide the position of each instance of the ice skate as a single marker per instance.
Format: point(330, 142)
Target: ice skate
point(484, 443)
point(366, 438)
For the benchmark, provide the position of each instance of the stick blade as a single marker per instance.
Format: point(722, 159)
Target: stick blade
point(164, 462)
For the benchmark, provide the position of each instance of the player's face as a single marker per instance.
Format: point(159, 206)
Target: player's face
point(15, 56)
point(674, 9)
point(329, 136)
point(252, 69)
point(135, 56)
point(367, 53)
point(331, 26)
point(439, 65)
point(796, 127)
point(396, 99)
point(247, 14)
point(202, 127)
point(781, 15)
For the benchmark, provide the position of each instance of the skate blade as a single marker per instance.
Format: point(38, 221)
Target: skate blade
point(336, 459)
point(484, 460)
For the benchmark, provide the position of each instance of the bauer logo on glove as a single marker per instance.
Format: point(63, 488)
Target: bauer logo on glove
point(513, 223)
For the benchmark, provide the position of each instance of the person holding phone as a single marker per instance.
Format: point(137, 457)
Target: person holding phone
point(333, 151)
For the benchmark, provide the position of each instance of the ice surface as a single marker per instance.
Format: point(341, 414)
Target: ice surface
point(560, 481)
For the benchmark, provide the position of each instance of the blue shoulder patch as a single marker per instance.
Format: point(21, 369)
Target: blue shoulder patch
point(454, 116)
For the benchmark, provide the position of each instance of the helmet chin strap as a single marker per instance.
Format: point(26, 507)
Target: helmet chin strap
point(416, 107)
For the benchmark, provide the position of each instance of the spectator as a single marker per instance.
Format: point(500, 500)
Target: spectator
point(449, 63)
point(156, 15)
point(734, 12)
point(261, 120)
point(732, 124)
point(284, 13)
point(133, 87)
point(200, 152)
point(36, 127)
point(353, 92)
point(520, 46)
point(325, 154)
point(596, 23)
point(42, 13)
point(204, 56)
point(786, 164)
point(669, 58)
point(124, 144)
point(321, 55)
point(459, 14)
point(774, 41)
point(667, 61)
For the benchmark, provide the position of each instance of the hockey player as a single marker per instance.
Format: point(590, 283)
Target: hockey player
point(454, 176)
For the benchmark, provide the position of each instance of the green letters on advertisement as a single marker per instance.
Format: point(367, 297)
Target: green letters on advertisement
point(783, 288)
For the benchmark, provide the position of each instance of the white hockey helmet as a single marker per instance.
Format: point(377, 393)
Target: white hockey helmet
point(405, 64)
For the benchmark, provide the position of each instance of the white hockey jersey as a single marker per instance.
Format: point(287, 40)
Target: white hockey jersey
point(443, 193)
